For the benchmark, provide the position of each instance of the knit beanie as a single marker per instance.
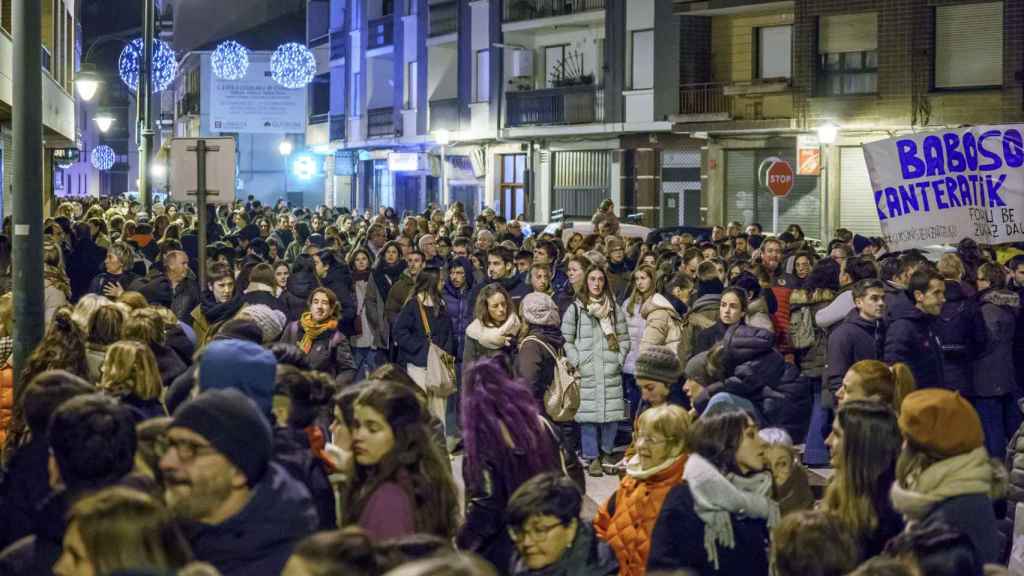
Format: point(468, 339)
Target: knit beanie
point(697, 369)
point(941, 421)
point(541, 310)
point(270, 321)
point(659, 363)
point(712, 286)
point(244, 366)
point(233, 425)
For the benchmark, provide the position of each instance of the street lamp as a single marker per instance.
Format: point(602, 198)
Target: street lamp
point(104, 120)
point(285, 149)
point(827, 134)
point(87, 81)
point(443, 137)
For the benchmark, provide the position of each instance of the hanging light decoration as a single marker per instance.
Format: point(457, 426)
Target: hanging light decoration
point(102, 157)
point(292, 65)
point(165, 66)
point(230, 60)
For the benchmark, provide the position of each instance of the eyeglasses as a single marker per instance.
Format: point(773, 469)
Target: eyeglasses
point(187, 451)
point(536, 534)
point(650, 440)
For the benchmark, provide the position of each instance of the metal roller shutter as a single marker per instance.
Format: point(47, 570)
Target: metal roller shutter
point(969, 45)
point(802, 206)
point(581, 180)
point(856, 199)
point(740, 183)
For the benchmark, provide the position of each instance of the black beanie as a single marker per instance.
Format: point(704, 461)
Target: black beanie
point(233, 425)
point(712, 286)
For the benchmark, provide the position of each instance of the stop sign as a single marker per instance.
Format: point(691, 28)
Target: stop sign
point(780, 178)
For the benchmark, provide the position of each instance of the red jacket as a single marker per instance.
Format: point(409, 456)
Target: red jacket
point(6, 400)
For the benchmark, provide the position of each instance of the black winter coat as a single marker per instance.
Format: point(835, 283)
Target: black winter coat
point(296, 295)
point(292, 451)
point(339, 280)
point(260, 538)
point(910, 339)
point(125, 279)
point(534, 365)
point(24, 485)
point(995, 366)
point(853, 340)
point(961, 332)
point(168, 362)
point(85, 262)
point(412, 338)
point(677, 541)
point(973, 515)
point(330, 353)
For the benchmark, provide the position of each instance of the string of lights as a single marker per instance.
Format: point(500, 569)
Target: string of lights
point(230, 60)
point(165, 66)
point(102, 157)
point(292, 65)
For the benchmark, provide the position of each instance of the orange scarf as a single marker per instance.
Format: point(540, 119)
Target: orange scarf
point(312, 330)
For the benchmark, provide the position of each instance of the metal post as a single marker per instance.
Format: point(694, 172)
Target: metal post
point(27, 266)
point(826, 232)
point(445, 200)
point(201, 194)
point(144, 96)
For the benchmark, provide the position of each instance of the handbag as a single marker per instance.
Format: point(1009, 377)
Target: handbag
point(440, 380)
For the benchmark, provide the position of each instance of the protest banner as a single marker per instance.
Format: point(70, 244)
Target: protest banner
point(940, 187)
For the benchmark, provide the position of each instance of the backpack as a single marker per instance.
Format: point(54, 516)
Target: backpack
point(562, 398)
point(803, 333)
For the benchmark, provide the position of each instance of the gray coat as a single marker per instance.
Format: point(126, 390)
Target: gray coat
point(586, 347)
point(373, 309)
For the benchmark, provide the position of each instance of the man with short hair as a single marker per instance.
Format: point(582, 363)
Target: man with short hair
point(857, 268)
point(402, 288)
point(240, 512)
point(376, 238)
point(524, 259)
point(501, 268)
point(428, 245)
point(460, 248)
point(897, 298)
point(861, 335)
point(771, 257)
point(910, 338)
point(545, 252)
point(174, 288)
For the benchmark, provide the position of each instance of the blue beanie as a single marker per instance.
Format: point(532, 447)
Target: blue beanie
point(244, 366)
point(230, 422)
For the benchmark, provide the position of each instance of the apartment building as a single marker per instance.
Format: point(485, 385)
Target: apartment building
point(760, 77)
point(58, 104)
point(525, 106)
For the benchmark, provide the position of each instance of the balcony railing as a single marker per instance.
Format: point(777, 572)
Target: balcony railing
point(444, 18)
point(317, 118)
point(380, 32)
point(380, 123)
point(337, 127)
point(566, 105)
point(707, 98)
point(519, 10)
point(444, 114)
point(339, 44)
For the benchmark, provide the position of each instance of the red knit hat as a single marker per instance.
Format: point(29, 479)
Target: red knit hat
point(941, 421)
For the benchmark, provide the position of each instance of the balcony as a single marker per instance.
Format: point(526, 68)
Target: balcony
point(556, 106)
point(339, 44)
point(444, 18)
point(444, 114)
point(380, 33)
point(380, 123)
point(706, 102)
point(337, 127)
point(521, 10)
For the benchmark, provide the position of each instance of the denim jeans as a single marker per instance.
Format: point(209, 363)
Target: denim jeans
point(631, 392)
point(365, 360)
point(1000, 418)
point(590, 434)
point(452, 419)
point(816, 452)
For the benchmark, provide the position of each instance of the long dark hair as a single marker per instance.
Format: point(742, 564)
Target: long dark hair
point(415, 463)
point(871, 444)
point(497, 408)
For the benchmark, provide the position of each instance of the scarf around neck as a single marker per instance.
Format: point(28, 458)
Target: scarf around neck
point(968, 473)
point(605, 314)
point(634, 469)
point(312, 330)
point(494, 338)
point(716, 497)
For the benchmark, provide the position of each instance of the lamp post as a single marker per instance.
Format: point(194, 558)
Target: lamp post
point(444, 137)
point(104, 120)
point(285, 149)
point(827, 134)
point(144, 96)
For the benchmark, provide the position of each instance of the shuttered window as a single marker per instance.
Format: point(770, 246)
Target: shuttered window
point(581, 180)
point(969, 45)
point(856, 199)
point(848, 33)
point(747, 202)
point(775, 52)
point(848, 54)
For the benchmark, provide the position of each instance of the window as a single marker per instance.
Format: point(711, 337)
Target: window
point(848, 55)
point(411, 85)
point(643, 60)
point(483, 75)
point(969, 45)
point(554, 57)
point(513, 196)
point(775, 52)
point(357, 103)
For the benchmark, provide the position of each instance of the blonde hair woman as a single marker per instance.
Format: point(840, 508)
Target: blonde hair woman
point(130, 373)
point(121, 529)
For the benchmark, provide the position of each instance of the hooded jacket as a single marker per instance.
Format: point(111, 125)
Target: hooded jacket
point(260, 538)
point(910, 339)
point(664, 326)
point(294, 298)
point(853, 340)
point(459, 305)
point(995, 366)
point(961, 332)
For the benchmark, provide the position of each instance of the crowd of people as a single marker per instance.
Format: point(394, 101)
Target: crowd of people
point(304, 411)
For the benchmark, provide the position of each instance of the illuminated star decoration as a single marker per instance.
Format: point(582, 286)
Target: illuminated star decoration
point(292, 65)
point(230, 60)
point(102, 157)
point(165, 66)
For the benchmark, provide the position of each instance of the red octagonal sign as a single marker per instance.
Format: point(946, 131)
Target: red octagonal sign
point(780, 178)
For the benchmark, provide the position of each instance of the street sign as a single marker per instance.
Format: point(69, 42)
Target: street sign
point(809, 162)
point(220, 169)
point(780, 178)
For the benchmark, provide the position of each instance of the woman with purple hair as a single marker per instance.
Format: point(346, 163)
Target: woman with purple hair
point(507, 442)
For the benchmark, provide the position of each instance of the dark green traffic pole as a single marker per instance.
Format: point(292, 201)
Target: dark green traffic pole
point(27, 264)
point(144, 96)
